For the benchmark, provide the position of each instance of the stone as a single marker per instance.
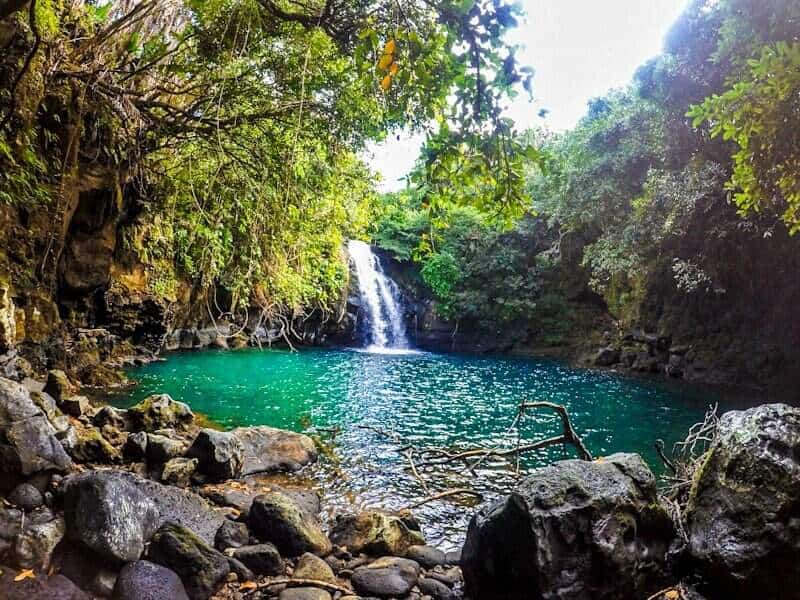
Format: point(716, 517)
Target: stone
point(179, 471)
point(74, 406)
point(574, 530)
point(743, 513)
point(108, 416)
point(108, 513)
point(606, 357)
point(387, 577)
point(161, 448)
point(262, 559)
point(86, 444)
point(26, 497)
point(8, 325)
point(276, 518)
point(201, 568)
point(144, 580)
point(43, 587)
point(310, 566)
point(426, 556)
point(58, 385)
point(220, 454)
point(241, 571)
point(240, 494)
point(135, 447)
point(231, 535)
point(453, 557)
point(36, 542)
point(435, 589)
point(269, 450)
point(160, 411)
point(304, 593)
point(28, 443)
point(375, 533)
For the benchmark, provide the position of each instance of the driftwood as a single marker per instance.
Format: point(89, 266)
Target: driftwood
point(325, 585)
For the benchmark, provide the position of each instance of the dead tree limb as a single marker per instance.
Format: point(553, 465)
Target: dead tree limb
point(569, 432)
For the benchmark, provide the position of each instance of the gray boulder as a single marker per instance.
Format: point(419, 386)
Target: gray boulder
point(261, 559)
point(26, 496)
point(575, 530)
point(276, 518)
point(108, 513)
point(161, 448)
point(143, 580)
point(231, 535)
point(268, 450)
point(304, 593)
point(743, 515)
point(159, 411)
point(387, 577)
point(375, 533)
point(220, 454)
point(179, 471)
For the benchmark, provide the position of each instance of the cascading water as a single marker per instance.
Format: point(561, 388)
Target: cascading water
point(380, 297)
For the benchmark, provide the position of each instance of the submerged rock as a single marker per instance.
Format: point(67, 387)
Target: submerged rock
point(201, 568)
point(375, 533)
point(143, 580)
point(575, 530)
point(387, 577)
point(276, 518)
point(743, 515)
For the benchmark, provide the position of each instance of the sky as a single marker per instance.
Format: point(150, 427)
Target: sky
point(579, 50)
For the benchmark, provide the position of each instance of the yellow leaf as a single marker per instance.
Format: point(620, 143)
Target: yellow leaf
point(672, 595)
point(249, 585)
point(386, 83)
point(389, 47)
point(385, 62)
point(394, 69)
point(25, 574)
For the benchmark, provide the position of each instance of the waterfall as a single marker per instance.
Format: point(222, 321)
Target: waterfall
point(380, 298)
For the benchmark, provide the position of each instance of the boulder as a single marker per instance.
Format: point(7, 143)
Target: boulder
point(161, 448)
point(37, 540)
point(43, 587)
point(58, 385)
point(427, 556)
point(387, 577)
point(108, 513)
point(28, 443)
point(85, 443)
point(135, 447)
point(743, 514)
point(268, 450)
point(574, 530)
point(231, 535)
point(201, 568)
point(375, 533)
point(311, 566)
point(108, 416)
point(179, 471)
point(261, 559)
point(435, 589)
point(240, 494)
point(276, 518)
point(143, 580)
point(74, 406)
point(220, 454)
point(160, 411)
point(88, 570)
point(26, 497)
point(304, 593)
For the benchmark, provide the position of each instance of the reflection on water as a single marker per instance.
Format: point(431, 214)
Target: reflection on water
point(427, 400)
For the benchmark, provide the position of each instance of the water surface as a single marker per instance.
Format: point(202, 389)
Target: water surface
point(425, 399)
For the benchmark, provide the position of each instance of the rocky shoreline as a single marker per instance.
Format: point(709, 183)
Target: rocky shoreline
point(146, 504)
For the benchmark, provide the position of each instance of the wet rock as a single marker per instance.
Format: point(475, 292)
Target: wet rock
point(43, 587)
point(220, 454)
point(453, 557)
point(426, 556)
point(276, 518)
point(201, 568)
point(58, 385)
point(575, 530)
point(108, 513)
point(143, 580)
point(159, 411)
point(262, 559)
point(744, 506)
point(268, 450)
point(28, 443)
point(386, 577)
point(135, 447)
point(74, 406)
point(161, 448)
point(26, 496)
point(311, 566)
point(231, 535)
point(606, 357)
point(241, 494)
point(85, 443)
point(435, 589)
point(304, 593)
point(37, 540)
point(108, 416)
point(375, 533)
point(179, 471)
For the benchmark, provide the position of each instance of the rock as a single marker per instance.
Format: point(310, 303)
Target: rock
point(26, 497)
point(108, 513)
point(43, 587)
point(159, 411)
point(311, 566)
point(426, 556)
point(143, 580)
point(86, 569)
point(576, 529)
point(36, 542)
point(161, 448)
point(453, 557)
point(74, 406)
point(85, 443)
point(375, 533)
point(267, 450)
point(108, 416)
point(231, 535)
point(47, 403)
point(276, 518)
point(220, 454)
point(241, 571)
point(179, 471)
point(58, 385)
point(240, 494)
point(386, 577)
point(28, 443)
point(436, 589)
point(743, 514)
point(201, 568)
point(135, 447)
point(606, 357)
point(304, 593)
point(262, 559)
point(8, 325)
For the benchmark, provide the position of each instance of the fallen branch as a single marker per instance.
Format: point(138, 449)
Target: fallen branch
point(325, 585)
